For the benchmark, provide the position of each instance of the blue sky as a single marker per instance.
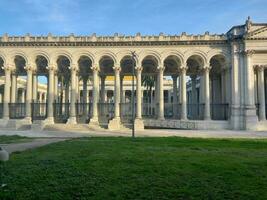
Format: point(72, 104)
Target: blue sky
point(106, 17)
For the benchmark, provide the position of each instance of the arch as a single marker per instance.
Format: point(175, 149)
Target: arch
point(199, 53)
point(77, 55)
point(122, 54)
point(15, 53)
point(126, 64)
point(147, 53)
point(110, 54)
point(59, 53)
point(174, 53)
point(37, 53)
point(215, 52)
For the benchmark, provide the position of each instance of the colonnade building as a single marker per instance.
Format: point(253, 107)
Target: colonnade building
point(180, 81)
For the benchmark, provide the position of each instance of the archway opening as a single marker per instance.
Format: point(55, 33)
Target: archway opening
point(171, 84)
point(150, 85)
point(219, 100)
point(194, 87)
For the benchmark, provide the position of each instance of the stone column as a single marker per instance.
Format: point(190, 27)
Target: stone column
point(94, 119)
point(117, 91)
point(50, 114)
point(183, 92)
point(261, 93)
point(29, 93)
point(161, 94)
point(207, 92)
point(175, 97)
point(13, 88)
point(115, 123)
point(85, 110)
point(103, 92)
point(56, 87)
point(194, 96)
point(73, 98)
point(6, 93)
point(250, 108)
point(34, 86)
point(121, 90)
point(138, 122)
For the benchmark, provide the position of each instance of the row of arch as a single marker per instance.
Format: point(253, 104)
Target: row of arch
point(149, 62)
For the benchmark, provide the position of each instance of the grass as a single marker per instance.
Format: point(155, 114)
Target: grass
point(144, 168)
point(5, 139)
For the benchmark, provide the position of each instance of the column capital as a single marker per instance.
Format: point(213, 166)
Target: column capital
point(29, 68)
point(139, 69)
point(183, 68)
point(117, 68)
point(95, 68)
point(7, 68)
point(260, 67)
point(51, 68)
point(161, 68)
point(207, 68)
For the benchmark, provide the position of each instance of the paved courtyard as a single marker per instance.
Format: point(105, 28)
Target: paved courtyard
point(145, 133)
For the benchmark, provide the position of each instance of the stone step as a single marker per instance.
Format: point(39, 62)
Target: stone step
point(70, 127)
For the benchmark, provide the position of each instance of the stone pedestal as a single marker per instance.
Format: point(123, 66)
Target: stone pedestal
point(94, 123)
point(114, 124)
point(139, 125)
point(72, 120)
point(251, 118)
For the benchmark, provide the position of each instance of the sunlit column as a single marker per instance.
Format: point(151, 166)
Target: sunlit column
point(161, 94)
point(117, 70)
point(56, 87)
point(261, 92)
point(121, 90)
point(95, 70)
point(29, 92)
point(183, 92)
point(50, 114)
point(72, 117)
point(13, 88)
point(207, 92)
point(138, 92)
point(6, 92)
point(175, 97)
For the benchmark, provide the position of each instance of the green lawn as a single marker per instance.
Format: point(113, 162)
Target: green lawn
point(4, 139)
point(144, 168)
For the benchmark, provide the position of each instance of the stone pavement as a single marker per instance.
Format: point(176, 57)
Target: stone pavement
point(38, 142)
point(146, 133)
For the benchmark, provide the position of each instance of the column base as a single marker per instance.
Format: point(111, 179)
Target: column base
point(251, 119)
point(4, 122)
point(114, 124)
point(94, 123)
point(72, 120)
point(49, 120)
point(139, 125)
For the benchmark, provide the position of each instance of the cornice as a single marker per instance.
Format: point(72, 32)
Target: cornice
point(105, 44)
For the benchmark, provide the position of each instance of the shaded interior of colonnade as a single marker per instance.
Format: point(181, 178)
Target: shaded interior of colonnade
point(149, 82)
point(17, 107)
point(194, 87)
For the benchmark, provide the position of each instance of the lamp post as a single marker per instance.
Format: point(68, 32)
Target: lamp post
point(132, 99)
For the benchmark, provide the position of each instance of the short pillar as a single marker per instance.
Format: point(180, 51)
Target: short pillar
point(34, 87)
